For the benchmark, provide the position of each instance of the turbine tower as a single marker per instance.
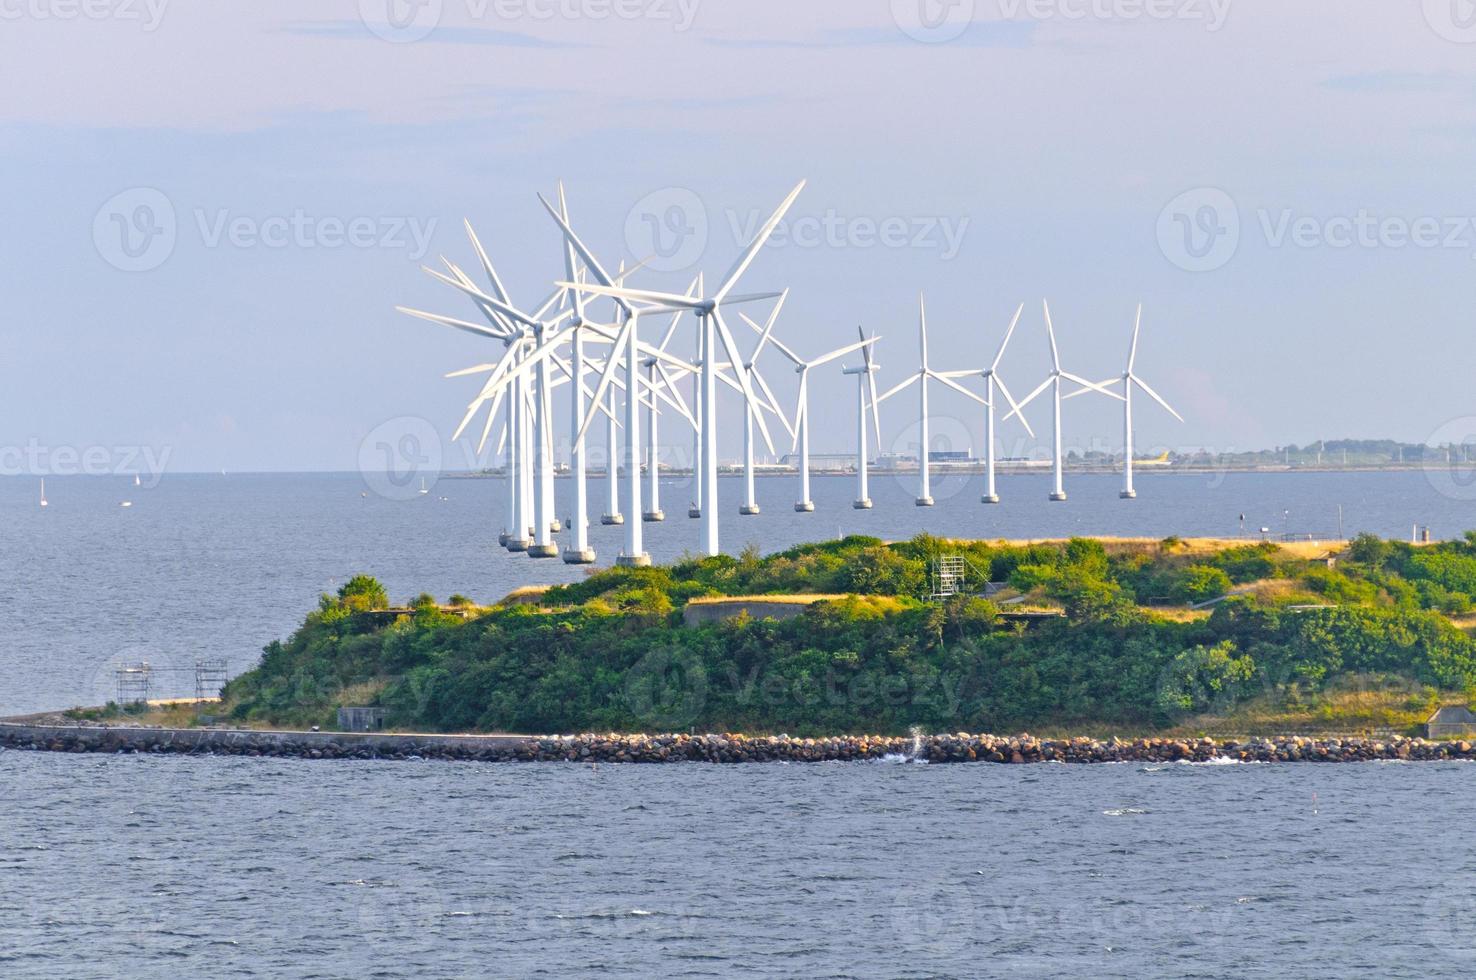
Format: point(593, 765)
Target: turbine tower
point(865, 380)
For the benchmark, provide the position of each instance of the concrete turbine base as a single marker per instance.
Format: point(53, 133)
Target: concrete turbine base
point(748, 510)
point(577, 556)
point(633, 561)
point(543, 551)
point(612, 519)
point(989, 498)
point(694, 512)
point(653, 516)
point(556, 526)
point(924, 501)
point(1127, 494)
point(1058, 496)
point(517, 544)
point(805, 506)
point(861, 504)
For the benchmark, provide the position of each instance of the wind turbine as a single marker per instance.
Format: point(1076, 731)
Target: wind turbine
point(991, 379)
point(1129, 379)
point(865, 380)
point(923, 375)
point(1053, 381)
point(802, 411)
point(713, 330)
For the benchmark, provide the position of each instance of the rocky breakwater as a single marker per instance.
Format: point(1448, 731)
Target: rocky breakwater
point(728, 748)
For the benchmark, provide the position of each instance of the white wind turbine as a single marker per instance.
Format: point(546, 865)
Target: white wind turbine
point(1053, 381)
point(991, 379)
point(714, 330)
point(921, 378)
point(801, 438)
point(865, 381)
point(1129, 378)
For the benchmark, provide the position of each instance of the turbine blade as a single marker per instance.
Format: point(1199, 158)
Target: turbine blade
point(1154, 395)
point(475, 369)
point(612, 364)
point(922, 329)
point(1133, 349)
point(1051, 332)
point(1018, 408)
point(768, 327)
point(1078, 379)
point(668, 300)
point(960, 389)
point(486, 262)
point(747, 255)
point(750, 298)
point(901, 386)
point(451, 321)
point(586, 256)
point(875, 409)
point(1014, 408)
point(801, 408)
point(732, 348)
point(773, 405)
point(999, 355)
point(839, 352)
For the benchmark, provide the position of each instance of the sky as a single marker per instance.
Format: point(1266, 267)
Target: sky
point(212, 210)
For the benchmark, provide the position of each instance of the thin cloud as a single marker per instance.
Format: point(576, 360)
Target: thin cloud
point(979, 34)
point(352, 30)
point(1398, 82)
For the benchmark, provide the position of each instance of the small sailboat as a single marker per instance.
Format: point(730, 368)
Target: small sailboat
point(125, 503)
point(43, 491)
point(423, 488)
point(136, 481)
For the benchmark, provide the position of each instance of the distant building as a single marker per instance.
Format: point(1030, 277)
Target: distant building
point(360, 719)
point(1453, 719)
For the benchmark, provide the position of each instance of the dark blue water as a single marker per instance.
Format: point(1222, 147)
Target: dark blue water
point(128, 866)
point(216, 566)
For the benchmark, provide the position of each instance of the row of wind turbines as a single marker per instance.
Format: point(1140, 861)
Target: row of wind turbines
point(622, 378)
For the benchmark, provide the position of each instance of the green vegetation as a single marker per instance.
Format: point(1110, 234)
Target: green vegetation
point(1366, 640)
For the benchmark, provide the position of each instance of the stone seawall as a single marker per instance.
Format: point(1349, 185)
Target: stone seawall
point(715, 748)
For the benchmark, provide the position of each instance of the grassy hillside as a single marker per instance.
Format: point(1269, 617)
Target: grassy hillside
point(1366, 641)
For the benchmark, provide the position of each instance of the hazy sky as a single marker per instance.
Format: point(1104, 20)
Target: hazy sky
point(212, 209)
